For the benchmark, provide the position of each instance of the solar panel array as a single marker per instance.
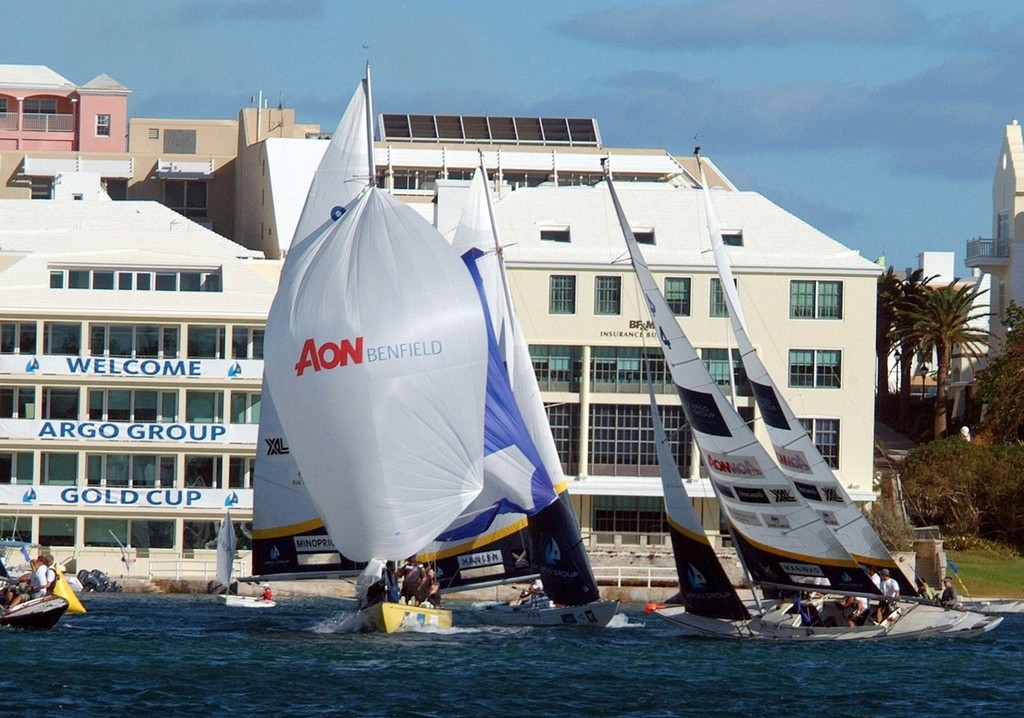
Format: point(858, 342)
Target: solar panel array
point(514, 130)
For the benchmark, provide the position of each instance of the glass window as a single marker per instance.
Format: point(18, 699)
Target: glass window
point(607, 295)
point(78, 279)
point(828, 368)
point(562, 294)
point(148, 534)
point(203, 471)
point(60, 403)
point(60, 338)
point(204, 407)
point(245, 407)
point(801, 367)
point(560, 234)
point(717, 300)
point(815, 300)
point(830, 300)
point(240, 472)
point(205, 342)
point(57, 531)
point(16, 467)
point(166, 281)
point(732, 238)
point(103, 125)
point(199, 534)
point(17, 337)
point(825, 434)
point(56, 279)
point(246, 343)
point(106, 532)
point(677, 294)
point(102, 279)
point(815, 368)
point(17, 402)
point(59, 469)
point(622, 439)
point(557, 368)
point(644, 236)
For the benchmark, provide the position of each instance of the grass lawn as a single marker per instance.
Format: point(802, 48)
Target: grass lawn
point(986, 574)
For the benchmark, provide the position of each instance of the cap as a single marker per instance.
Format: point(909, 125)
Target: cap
point(885, 572)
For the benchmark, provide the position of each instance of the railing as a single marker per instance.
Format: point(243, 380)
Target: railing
point(42, 122)
point(8, 121)
point(192, 570)
point(646, 576)
point(981, 248)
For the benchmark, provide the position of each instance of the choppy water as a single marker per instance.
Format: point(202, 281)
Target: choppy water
point(176, 655)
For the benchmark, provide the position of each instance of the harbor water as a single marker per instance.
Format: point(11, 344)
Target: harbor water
point(185, 655)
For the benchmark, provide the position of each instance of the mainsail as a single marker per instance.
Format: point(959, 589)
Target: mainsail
point(289, 537)
point(376, 350)
point(797, 456)
point(782, 539)
point(704, 586)
point(522, 471)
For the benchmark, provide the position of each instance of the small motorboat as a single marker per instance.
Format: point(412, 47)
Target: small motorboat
point(541, 611)
point(38, 613)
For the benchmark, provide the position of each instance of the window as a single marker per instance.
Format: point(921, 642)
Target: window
point(677, 294)
point(815, 300)
point(557, 368)
point(17, 337)
point(825, 434)
point(564, 419)
point(61, 338)
point(562, 294)
point(128, 405)
point(59, 469)
point(815, 368)
point(203, 471)
point(623, 369)
point(17, 402)
point(607, 295)
point(644, 236)
point(240, 472)
point(408, 180)
point(246, 343)
point(147, 534)
point(16, 467)
point(205, 342)
point(106, 532)
point(199, 535)
point(245, 407)
point(732, 238)
point(57, 531)
point(717, 300)
point(136, 470)
point(60, 403)
point(554, 234)
point(40, 106)
point(629, 517)
point(187, 197)
point(204, 407)
point(103, 125)
point(133, 340)
point(622, 439)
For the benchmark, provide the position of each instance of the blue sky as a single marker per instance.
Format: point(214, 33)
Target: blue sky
point(878, 122)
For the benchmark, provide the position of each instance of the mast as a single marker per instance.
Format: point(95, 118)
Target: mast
point(372, 181)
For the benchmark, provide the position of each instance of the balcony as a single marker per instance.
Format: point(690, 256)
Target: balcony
point(44, 122)
point(983, 253)
point(8, 121)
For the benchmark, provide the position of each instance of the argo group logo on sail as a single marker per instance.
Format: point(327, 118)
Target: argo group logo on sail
point(330, 355)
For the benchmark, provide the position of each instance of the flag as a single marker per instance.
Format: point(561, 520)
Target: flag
point(24, 552)
point(952, 566)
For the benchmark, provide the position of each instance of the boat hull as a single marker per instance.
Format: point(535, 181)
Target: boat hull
point(593, 615)
point(38, 613)
point(390, 617)
point(246, 601)
point(909, 622)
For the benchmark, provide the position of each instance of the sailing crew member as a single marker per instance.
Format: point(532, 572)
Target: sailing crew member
point(268, 595)
point(891, 590)
point(948, 597)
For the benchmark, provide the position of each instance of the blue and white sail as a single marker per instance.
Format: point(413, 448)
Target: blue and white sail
point(376, 350)
point(522, 472)
point(289, 536)
point(783, 540)
point(795, 452)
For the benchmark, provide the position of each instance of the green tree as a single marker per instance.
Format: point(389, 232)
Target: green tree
point(906, 299)
point(941, 318)
point(1002, 384)
point(890, 290)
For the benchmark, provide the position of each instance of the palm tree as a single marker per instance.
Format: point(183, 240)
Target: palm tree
point(940, 319)
point(908, 297)
point(889, 293)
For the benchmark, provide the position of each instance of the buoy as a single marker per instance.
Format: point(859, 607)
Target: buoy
point(652, 607)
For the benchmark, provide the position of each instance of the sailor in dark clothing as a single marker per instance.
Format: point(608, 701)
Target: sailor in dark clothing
point(410, 573)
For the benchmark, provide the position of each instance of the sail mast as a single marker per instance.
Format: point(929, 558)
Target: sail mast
point(372, 181)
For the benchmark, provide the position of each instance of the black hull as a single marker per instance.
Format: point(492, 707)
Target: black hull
point(39, 613)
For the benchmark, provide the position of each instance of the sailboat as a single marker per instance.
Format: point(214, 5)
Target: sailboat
point(33, 613)
point(524, 504)
point(376, 356)
point(781, 540)
point(226, 544)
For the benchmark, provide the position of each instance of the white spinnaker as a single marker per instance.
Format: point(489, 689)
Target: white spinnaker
point(759, 501)
point(389, 442)
point(282, 507)
point(798, 457)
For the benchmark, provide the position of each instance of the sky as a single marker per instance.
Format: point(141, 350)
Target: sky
point(879, 122)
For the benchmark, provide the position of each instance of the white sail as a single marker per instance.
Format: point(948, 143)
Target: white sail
point(783, 538)
point(289, 537)
point(377, 354)
point(225, 550)
point(796, 454)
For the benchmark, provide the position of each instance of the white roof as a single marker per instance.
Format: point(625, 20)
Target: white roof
point(773, 239)
point(32, 77)
point(38, 235)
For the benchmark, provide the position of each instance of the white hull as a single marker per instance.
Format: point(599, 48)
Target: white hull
point(246, 601)
point(595, 615)
point(908, 622)
point(994, 607)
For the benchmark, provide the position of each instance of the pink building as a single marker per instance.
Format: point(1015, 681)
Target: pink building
point(40, 110)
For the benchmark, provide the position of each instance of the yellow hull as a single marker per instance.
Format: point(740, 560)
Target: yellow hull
point(392, 617)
